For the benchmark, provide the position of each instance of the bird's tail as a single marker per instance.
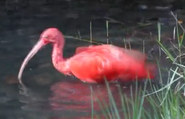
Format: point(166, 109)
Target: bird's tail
point(151, 70)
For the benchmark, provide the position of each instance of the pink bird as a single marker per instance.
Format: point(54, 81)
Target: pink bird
point(93, 63)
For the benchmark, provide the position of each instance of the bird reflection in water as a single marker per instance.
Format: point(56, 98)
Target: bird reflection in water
point(77, 97)
point(72, 99)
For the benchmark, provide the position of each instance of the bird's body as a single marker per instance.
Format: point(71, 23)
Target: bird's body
point(94, 63)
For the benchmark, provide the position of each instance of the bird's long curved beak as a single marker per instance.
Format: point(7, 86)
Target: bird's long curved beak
point(34, 50)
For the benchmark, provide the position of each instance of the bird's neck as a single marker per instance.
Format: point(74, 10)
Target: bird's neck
point(57, 54)
point(57, 58)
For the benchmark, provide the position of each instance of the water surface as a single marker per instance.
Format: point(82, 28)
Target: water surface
point(52, 95)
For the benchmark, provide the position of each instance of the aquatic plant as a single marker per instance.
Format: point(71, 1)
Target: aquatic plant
point(164, 102)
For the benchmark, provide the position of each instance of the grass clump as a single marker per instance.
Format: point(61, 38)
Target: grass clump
point(164, 102)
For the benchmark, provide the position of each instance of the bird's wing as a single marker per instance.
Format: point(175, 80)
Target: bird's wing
point(139, 56)
point(93, 63)
point(133, 53)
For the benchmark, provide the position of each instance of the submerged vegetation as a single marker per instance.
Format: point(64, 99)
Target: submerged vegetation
point(164, 102)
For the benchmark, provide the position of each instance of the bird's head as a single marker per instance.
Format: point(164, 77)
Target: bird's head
point(50, 35)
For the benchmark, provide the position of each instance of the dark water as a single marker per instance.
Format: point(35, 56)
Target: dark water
point(51, 95)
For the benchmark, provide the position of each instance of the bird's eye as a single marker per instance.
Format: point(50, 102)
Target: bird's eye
point(46, 37)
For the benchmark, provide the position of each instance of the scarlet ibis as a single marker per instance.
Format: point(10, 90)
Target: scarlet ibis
point(93, 63)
